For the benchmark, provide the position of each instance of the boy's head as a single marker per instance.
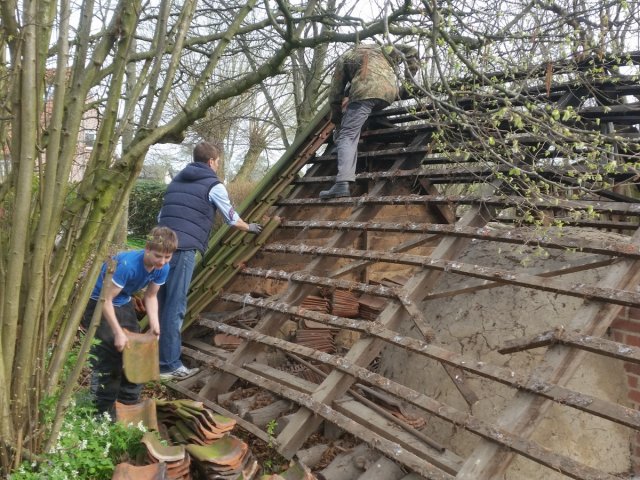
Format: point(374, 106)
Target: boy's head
point(205, 151)
point(162, 239)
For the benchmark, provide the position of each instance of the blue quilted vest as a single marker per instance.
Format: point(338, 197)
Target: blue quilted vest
point(186, 208)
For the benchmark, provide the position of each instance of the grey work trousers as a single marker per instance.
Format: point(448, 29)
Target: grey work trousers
point(348, 136)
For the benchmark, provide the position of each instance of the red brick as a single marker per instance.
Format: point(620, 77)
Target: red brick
point(632, 368)
point(632, 381)
point(617, 336)
point(634, 396)
point(632, 340)
point(626, 325)
point(634, 313)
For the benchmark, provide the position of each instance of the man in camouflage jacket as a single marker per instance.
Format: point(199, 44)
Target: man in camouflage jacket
point(365, 79)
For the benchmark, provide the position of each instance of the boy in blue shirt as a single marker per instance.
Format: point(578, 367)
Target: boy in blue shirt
point(135, 270)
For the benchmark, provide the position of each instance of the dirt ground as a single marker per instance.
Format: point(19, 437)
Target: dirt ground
point(477, 324)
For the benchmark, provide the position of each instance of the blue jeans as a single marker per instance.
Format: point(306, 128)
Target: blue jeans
point(349, 135)
point(172, 303)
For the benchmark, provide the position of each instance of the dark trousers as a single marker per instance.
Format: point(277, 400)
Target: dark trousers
point(108, 382)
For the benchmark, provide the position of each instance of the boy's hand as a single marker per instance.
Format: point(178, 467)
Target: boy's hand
point(255, 228)
point(120, 340)
point(154, 328)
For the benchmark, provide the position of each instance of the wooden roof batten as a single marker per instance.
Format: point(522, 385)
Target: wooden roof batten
point(334, 244)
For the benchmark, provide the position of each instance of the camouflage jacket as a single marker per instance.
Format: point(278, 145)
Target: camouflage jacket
point(369, 73)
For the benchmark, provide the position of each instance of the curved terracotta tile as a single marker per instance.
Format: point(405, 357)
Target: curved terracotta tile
point(154, 471)
point(140, 359)
point(144, 412)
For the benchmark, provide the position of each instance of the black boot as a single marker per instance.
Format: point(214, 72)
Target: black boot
point(339, 189)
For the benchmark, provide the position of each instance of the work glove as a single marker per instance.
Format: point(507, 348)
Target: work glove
point(255, 228)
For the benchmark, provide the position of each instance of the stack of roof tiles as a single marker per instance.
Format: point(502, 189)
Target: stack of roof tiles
point(227, 458)
point(188, 421)
point(315, 303)
point(344, 304)
point(205, 435)
point(316, 338)
point(370, 307)
point(176, 458)
point(127, 471)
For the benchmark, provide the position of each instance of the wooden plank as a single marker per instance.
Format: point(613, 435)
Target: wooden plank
point(549, 238)
point(601, 346)
point(550, 203)
point(457, 377)
point(446, 212)
point(402, 247)
point(483, 172)
point(308, 278)
point(558, 366)
point(383, 445)
point(208, 348)
point(364, 415)
point(589, 263)
point(627, 298)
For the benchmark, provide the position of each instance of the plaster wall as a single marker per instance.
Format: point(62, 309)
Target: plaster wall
point(477, 324)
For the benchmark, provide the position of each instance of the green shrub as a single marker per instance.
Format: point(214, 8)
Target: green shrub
point(87, 448)
point(144, 205)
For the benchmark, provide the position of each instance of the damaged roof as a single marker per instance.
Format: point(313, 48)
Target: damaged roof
point(330, 285)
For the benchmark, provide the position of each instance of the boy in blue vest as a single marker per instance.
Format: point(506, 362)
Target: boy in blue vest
point(135, 270)
point(190, 203)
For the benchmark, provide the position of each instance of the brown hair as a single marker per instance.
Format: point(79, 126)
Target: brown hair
point(205, 151)
point(162, 239)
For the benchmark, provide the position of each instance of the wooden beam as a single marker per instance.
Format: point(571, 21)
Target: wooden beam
point(500, 202)
point(601, 346)
point(589, 263)
point(448, 461)
point(578, 289)
point(548, 238)
point(483, 172)
point(402, 247)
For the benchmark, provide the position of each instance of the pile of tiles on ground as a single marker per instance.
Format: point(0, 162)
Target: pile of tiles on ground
point(127, 471)
point(201, 440)
point(188, 421)
point(215, 453)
